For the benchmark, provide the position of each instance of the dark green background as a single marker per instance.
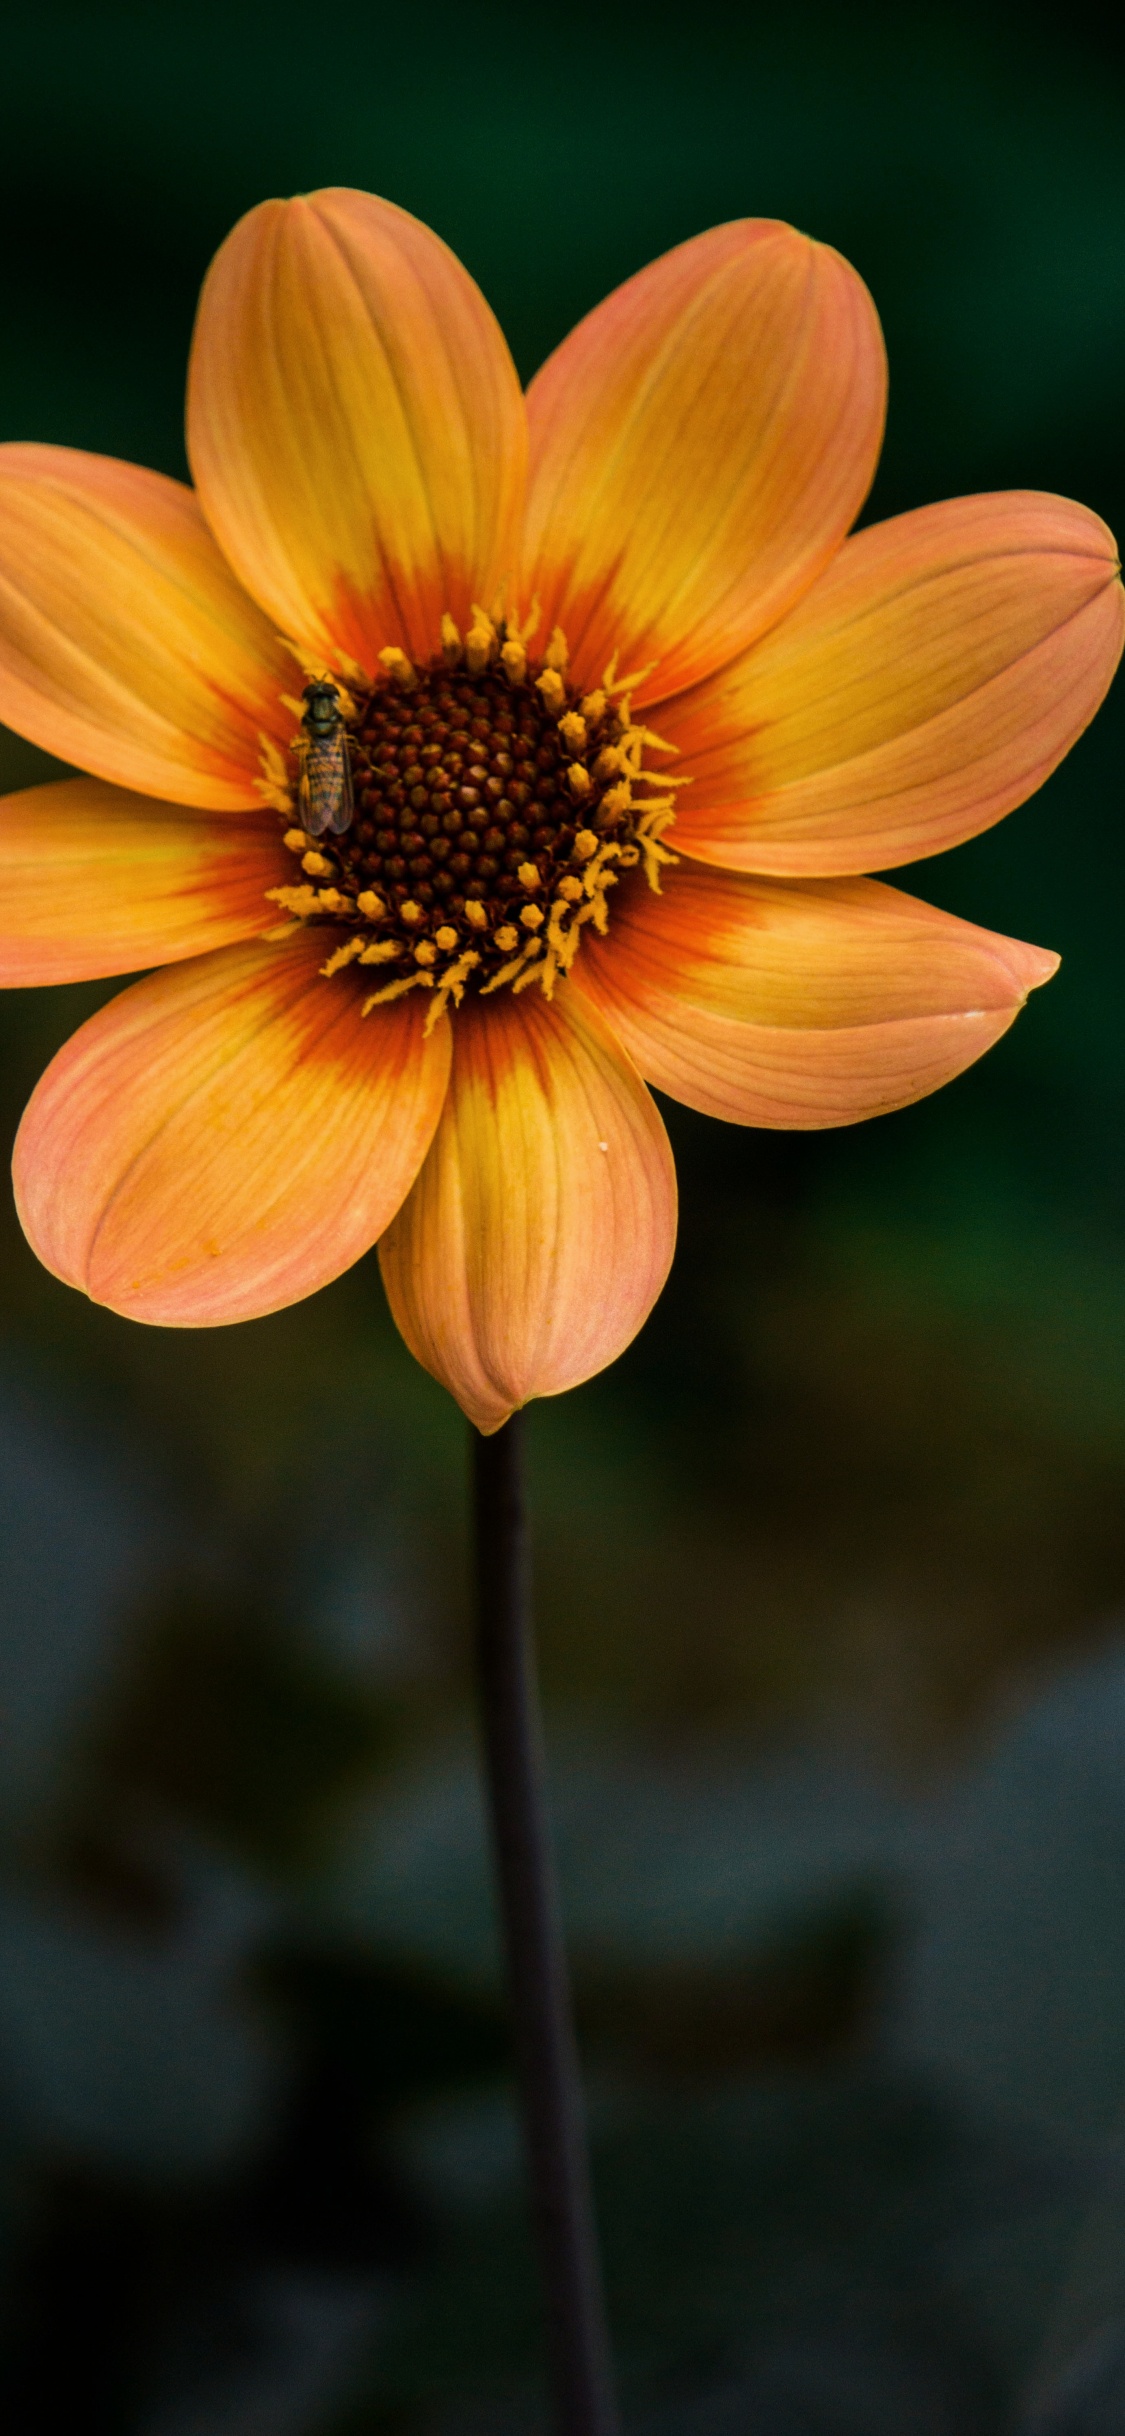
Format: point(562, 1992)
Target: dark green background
point(864, 1471)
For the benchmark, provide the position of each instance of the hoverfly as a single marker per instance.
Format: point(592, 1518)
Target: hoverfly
point(324, 790)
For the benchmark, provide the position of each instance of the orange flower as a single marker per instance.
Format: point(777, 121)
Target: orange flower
point(550, 625)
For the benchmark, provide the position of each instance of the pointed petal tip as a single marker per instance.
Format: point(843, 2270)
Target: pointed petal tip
point(929, 683)
point(802, 1004)
point(1042, 963)
point(487, 1417)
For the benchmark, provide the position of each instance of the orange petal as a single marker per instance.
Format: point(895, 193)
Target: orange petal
point(800, 1003)
point(125, 643)
point(931, 680)
point(542, 1226)
point(98, 880)
point(226, 1136)
point(355, 425)
point(699, 447)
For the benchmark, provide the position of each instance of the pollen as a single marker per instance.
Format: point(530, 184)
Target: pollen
point(494, 811)
point(401, 670)
point(553, 690)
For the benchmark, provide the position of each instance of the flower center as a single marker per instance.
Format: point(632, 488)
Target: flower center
point(492, 807)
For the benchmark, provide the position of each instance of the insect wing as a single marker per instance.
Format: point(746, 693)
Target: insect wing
point(312, 816)
point(343, 810)
point(322, 783)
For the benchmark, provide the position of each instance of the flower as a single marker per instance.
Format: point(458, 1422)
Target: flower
point(421, 961)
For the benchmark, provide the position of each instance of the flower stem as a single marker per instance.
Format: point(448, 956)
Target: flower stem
point(546, 2053)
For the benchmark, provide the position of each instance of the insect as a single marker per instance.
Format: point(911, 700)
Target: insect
point(325, 786)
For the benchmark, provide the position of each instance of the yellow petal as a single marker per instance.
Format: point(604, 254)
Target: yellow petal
point(699, 447)
point(355, 425)
point(542, 1226)
point(125, 643)
point(800, 1003)
point(226, 1136)
point(932, 679)
point(98, 880)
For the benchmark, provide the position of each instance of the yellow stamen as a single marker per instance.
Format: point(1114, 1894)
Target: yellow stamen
point(657, 744)
point(381, 951)
point(571, 889)
point(533, 972)
point(528, 875)
point(343, 955)
point(480, 642)
point(397, 989)
point(617, 800)
point(593, 707)
point(401, 670)
point(508, 972)
point(614, 684)
point(572, 729)
point(532, 917)
point(524, 632)
point(331, 900)
point(579, 780)
point(475, 913)
point(425, 952)
point(514, 660)
point(655, 819)
point(556, 655)
point(446, 938)
point(551, 686)
point(506, 937)
point(300, 901)
point(595, 872)
point(296, 840)
point(317, 865)
point(585, 845)
point(451, 985)
point(450, 640)
point(274, 785)
point(411, 912)
point(371, 905)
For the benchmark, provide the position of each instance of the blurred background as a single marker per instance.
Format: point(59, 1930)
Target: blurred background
point(831, 1567)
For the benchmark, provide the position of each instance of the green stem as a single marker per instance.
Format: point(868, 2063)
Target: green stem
point(542, 2017)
